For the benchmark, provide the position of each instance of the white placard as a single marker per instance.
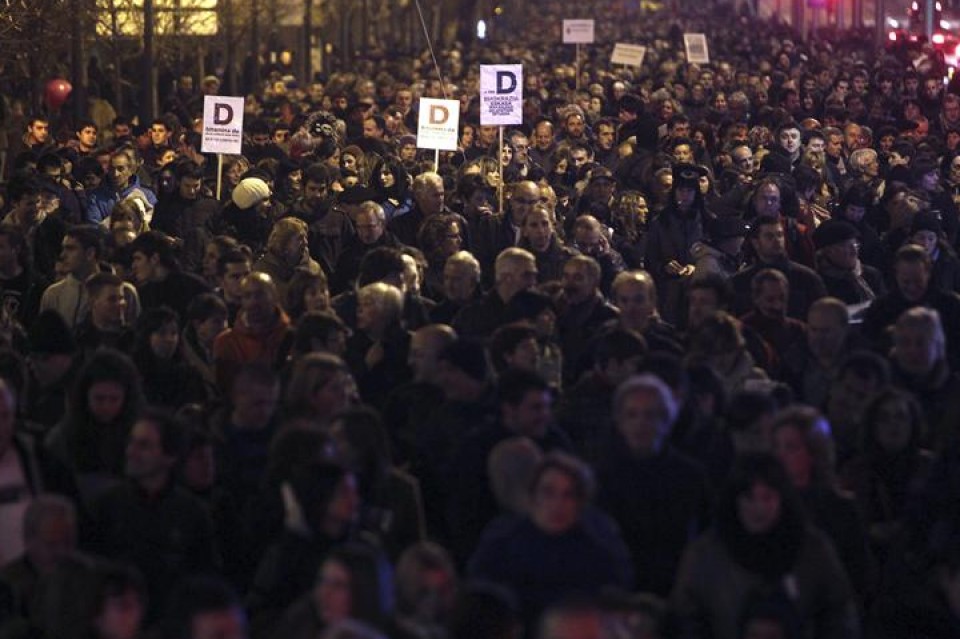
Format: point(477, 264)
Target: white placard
point(222, 125)
point(501, 94)
point(438, 125)
point(578, 31)
point(696, 46)
point(629, 54)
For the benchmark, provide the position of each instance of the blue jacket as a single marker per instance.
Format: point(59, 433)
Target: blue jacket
point(103, 198)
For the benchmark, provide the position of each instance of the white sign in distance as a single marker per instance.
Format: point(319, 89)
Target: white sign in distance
point(222, 125)
point(501, 94)
point(696, 46)
point(578, 31)
point(628, 54)
point(439, 124)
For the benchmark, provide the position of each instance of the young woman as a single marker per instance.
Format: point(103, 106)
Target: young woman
point(761, 543)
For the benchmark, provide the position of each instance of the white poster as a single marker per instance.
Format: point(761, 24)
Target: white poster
point(501, 94)
point(578, 31)
point(628, 54)
point(696, 46)
point(222, 125)
point(438, 126)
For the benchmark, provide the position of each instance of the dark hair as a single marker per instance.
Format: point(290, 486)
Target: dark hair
point(617, 345)
point(367, 437)
point(713, 282)
point(195, 596)
point(505, 341)
point(149, 322)
point(88, 236)
point(90, 446)
point(205, 306)
point(173, 433)
point(786, 536)
point(157, 243)
point(746, 407)
point(866, 365)
point(371, 582)
point(515, 384)
point(485, 610)
point(315, 325)
point(378, 264)
point(233, 255)
point(868, 425)
point(299, 284)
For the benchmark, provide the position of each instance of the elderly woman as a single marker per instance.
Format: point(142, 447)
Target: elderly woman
point(802, 443)
point(377, 351)
point(286, 254)
point(761, 545)
point(550, 553)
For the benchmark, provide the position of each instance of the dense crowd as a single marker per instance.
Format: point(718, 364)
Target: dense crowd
point(695, 379)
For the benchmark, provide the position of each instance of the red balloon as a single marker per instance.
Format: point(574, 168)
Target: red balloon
point(57, 92)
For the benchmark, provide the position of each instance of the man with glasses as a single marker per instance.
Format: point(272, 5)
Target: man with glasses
point(122, 183)
point(838, 264)
point(494, 233)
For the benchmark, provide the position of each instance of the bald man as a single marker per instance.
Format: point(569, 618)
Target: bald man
point(261, 332)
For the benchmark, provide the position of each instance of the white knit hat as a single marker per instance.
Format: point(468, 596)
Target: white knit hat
point(250, 192)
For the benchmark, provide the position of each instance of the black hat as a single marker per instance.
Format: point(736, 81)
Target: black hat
point(687, 176)
point(727, 226)
point(358, 195)
point(49, 334)
point(834, 232)
point(631, 103)
point(467, 355)
point(776, 162)
point(926, 221)
point(922, 166)
point(601, 173)
point(904, 125)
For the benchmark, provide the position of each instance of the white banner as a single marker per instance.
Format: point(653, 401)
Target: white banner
point(578, 31)
point(629, 54)
point(438, 126)
point(696, 46)
point(501, 94)
point(222, 125)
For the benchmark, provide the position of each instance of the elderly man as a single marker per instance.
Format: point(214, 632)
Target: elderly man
point(657, 495)
point(494, 233)
point(428, 197)
point(461, 286)
point(123, 183)
point(515, 271)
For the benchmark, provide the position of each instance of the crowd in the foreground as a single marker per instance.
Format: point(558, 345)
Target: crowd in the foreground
point(696, 379)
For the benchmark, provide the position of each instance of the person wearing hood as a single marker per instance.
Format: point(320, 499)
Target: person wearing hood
point(286, 254)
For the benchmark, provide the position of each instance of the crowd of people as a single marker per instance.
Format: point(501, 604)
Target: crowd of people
point(697, 378)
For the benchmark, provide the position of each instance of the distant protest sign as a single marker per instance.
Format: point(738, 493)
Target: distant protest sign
point(439, 123)
point(629, 54)
point(222, 125)
point(696, 47)
point(501, 94)
point(578, 31)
